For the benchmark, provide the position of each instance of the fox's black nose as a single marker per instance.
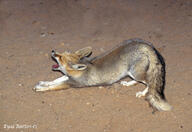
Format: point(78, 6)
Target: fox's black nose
point(53, 51)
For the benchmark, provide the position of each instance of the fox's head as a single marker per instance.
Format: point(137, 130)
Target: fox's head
point(70, 63)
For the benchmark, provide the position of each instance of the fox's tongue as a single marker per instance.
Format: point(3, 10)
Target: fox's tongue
point(55, 66)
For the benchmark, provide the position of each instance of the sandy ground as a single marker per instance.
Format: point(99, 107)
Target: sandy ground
point(30, 29)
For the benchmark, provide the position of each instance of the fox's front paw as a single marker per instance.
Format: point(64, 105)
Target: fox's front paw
point(41, 86)
point(44, 83)
point(124, 83)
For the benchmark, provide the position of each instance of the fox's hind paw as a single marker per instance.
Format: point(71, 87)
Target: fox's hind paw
point(142, 93)
point(139, 94)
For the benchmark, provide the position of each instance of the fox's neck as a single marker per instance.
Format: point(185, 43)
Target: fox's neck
point(88, 77)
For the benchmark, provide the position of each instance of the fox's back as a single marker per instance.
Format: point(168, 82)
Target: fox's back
point(127, 49)
point(114, 64)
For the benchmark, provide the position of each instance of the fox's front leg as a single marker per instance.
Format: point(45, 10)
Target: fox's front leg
point(57, 84)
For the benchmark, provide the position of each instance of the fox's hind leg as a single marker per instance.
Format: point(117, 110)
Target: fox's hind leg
point(140, 93)
point(133, 82)
point(138, 72)
point(59, 83)
point(139, 78)
point(130, 83)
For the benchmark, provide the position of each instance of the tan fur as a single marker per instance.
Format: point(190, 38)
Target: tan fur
point(135, 58)
point(60, 87)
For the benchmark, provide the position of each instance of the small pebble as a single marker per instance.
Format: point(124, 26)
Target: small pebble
point(34, 22)
point(43, 34)
point(88, 103)
point(62, 44)
point(51, 33)
point(46, 55)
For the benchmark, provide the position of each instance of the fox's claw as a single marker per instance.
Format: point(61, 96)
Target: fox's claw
point(41, 86)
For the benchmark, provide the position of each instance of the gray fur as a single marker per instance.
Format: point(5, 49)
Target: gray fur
point(134, 56)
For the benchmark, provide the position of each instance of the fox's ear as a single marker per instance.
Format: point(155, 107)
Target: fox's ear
point(79, 67)
point(85, 52)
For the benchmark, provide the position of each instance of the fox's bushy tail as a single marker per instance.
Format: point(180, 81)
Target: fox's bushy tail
point(156, 84)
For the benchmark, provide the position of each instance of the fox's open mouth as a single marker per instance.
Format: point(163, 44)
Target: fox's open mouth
point(55, 66)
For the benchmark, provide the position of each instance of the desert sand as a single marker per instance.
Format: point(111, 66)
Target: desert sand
point(30, 29)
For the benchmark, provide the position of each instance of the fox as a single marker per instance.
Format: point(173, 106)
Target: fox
point(134, 58)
